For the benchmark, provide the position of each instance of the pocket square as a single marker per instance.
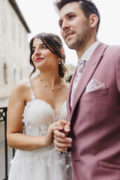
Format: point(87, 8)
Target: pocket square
point(94, 85)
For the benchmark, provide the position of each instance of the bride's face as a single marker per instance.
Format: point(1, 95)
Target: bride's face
point(42, 57)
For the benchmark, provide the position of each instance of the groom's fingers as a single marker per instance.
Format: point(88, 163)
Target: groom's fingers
point(61, 137)
point(61, 146)
point(65, 144)
point(63, 140)
point(62, 143)
point(59, 134)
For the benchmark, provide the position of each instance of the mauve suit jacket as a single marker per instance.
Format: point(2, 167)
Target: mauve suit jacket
point(95, 118)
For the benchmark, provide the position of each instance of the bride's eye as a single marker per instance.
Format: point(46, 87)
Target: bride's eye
point(44, 46)
point(33, 50)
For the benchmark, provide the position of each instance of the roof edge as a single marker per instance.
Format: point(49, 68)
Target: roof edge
point(19, 14)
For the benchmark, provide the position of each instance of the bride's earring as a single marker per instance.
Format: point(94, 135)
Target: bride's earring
point(60, 62)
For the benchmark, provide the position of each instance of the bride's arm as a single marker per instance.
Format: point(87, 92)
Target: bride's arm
point(15, 137)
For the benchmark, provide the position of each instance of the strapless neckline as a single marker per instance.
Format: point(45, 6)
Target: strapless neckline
point(41, 100)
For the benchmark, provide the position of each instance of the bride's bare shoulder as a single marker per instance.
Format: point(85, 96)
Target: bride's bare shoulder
point(21, 85)
point(20, 89)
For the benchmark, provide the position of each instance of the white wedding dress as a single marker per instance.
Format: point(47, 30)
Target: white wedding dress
point(45, 163)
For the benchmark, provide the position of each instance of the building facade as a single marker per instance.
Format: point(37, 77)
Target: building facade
point(14, 48)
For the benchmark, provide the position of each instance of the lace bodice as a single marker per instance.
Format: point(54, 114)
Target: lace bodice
point(45, 163)
point(38, 115)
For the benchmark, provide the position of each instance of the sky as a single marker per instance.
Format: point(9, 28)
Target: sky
point(41, 16)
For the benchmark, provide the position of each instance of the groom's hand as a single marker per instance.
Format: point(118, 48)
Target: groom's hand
point(61, 141)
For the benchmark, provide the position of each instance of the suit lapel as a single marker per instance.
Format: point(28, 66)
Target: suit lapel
point(87, 74)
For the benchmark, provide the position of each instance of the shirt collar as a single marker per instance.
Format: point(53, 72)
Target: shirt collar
point(87, 54)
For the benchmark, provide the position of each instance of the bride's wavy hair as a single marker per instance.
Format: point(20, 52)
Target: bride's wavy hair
point(54, 44)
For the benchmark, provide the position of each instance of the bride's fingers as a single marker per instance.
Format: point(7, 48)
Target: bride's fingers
point(67, 128)
point(65, 125)
point(59, 123)
point(63, 122)
point(56, 126)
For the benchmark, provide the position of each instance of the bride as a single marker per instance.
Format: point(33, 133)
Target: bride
point(36, 108)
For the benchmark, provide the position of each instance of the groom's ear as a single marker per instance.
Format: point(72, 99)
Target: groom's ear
point(93, 20)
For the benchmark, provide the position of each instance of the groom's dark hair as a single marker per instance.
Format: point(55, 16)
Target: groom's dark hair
point(87, 6)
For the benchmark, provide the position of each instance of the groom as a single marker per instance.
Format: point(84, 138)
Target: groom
point(94, 96)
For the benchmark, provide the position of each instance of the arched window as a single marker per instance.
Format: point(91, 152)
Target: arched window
point(5, 75)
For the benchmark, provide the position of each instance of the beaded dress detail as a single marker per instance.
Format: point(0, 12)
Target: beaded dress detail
point(45, 163)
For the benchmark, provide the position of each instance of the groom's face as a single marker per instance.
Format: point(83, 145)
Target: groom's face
point(74, 25)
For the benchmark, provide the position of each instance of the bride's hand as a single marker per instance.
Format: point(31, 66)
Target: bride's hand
point(54, 126)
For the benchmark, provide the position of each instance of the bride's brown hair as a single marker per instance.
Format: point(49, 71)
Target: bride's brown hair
point(54, 43)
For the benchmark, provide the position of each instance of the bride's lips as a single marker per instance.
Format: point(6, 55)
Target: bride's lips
point(39, 59)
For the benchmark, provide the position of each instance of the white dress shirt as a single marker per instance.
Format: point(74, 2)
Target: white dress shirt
point(85, 57)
